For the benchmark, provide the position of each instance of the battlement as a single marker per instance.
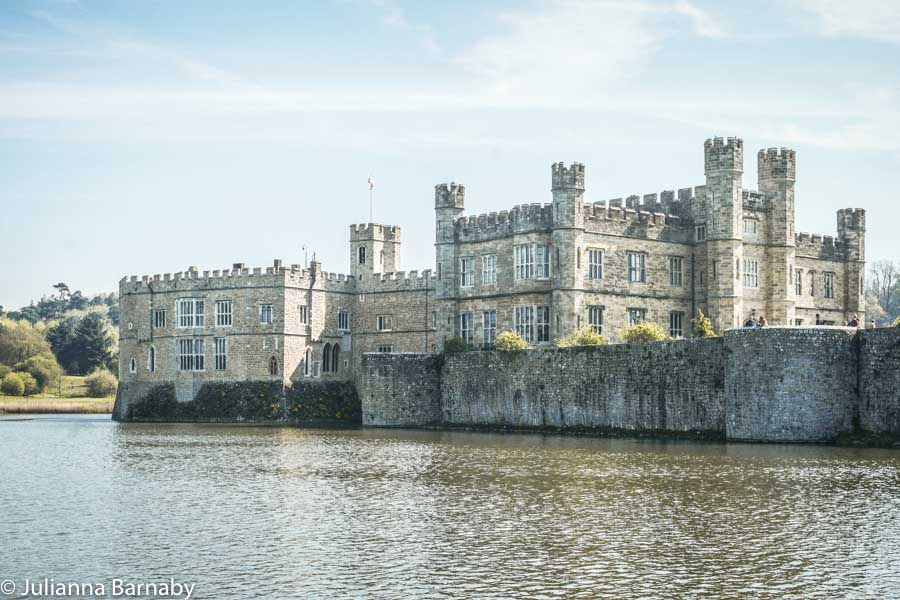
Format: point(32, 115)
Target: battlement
point(449, 195)
point(723, 155)
point(524, 217)
point(373, 231)
point(777, 163)
point(567, 178)
point(666, 202)
point(819, 246)
point(851, 219)
point(397, 281)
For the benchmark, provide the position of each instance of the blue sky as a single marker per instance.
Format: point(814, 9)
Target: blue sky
point(144, 137)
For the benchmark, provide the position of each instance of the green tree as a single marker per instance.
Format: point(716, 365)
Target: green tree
point(61, 337)
point(584, 336)
point(702, 326)
point(44, 369)
point(12, 385)
point(101, 383)
point(29, 384)
point(20, 340)
point(92, 343)
point(644, 332)
point(897, 322)
point(4, 371)
point(508, 341)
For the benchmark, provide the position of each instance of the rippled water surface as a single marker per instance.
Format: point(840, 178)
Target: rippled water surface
point(249, 512)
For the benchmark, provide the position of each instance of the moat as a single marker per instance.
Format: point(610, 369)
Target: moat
point(266, 512)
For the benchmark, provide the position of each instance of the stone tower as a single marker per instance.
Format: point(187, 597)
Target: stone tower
point(374, 249)
point(724, 168)
point(777, 171)
point(851, 226)
point(449, 205)
point(567, 187)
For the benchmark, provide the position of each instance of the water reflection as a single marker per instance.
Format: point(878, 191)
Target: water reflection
point(249, 512)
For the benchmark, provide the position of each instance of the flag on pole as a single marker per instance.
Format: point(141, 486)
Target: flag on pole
point(371, 183)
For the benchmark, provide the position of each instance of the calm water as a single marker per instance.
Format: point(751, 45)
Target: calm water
point(284, 513)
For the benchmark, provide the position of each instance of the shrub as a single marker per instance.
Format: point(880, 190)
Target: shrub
point(584, 336)
point(12, 385)
point(509, 340)
point(897, 322)
point(43, 368)
point(101, 383)
point(644, 332)
point(702, 326)
point(456, 344)
point(4, 371)
point(29, 383)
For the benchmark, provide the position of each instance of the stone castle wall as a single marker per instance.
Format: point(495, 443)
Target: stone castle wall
point(774, 385)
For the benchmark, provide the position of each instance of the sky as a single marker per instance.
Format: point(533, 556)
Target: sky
point(145, 137)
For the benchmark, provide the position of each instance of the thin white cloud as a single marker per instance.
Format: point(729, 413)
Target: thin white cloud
point(871, 19)
point(704, 24)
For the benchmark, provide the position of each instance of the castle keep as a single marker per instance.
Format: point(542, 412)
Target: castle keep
point(540, 270)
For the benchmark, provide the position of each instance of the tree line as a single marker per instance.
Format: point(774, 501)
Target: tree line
point(883, 292)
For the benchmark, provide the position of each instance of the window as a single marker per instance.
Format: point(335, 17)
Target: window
point(223, 313)
point(524, 261)
point(637, 267)
point(676, 324)
point(361, 255)
point(532, 261)
point(335, 358)
point(542, 261)
point(158, 317)
point(383, 322)
point(307, 363)
point(466, 272)
point(304, 314)
point(524, 322)
point(384, 349)
point(676, 274)
point(798, 282)
point(132, 366)
point(700, 233)
point(266, 314)
point(812, 283)
point(701, 277)
point(489, 269)
point(465, 327)
point(190, 354)
point(595, 264)
point(488, 327)
point(595, 318)
point(637, 315)
point(343, 320)
point(151, 360)
point(220, 354)
point(326, 358)
point(189, 312)
point(273, 366)
point(750, 225)
point(829, 285)
point(798, 322)
point(751, 273)
point(715, 269)
point(543, 323)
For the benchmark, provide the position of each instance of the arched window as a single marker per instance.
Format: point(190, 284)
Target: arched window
point(273, 366)
point(362, 255)
point(381, 258)
point(335, 357)
point(151, 360)
point(326, 359)
point(132, 366)
point(306, 361)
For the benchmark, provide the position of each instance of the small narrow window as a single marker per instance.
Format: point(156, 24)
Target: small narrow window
point(273, 366)
point(132, 366)
point(362, 255)
point(151, 360)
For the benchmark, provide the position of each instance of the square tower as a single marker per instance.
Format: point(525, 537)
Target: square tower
point(374, 248)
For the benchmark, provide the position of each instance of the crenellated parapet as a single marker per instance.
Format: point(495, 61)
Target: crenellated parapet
point(667, 202)
point(814, 245)
point(571, 177)
point(723, 154)
point(521, 219)
point(851, 220)
point(777, 163)
point(374, 231)
point(397, 281)
point(449, 195)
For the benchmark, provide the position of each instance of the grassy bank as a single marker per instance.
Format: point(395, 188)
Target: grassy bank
point(69, 397)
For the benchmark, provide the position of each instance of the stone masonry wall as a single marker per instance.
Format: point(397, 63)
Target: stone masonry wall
point(791, 385)
point(401, 390)
point(879, 381)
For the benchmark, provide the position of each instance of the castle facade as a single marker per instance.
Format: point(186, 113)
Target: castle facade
point(540, 270)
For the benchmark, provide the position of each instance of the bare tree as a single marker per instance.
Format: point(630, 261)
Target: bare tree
point(884, 283)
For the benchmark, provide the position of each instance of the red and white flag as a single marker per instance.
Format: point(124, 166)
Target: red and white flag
point(371, 183)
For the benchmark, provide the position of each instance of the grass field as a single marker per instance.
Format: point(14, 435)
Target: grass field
point(70, 397)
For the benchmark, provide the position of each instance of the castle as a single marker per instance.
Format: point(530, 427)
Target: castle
point(540, 270)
